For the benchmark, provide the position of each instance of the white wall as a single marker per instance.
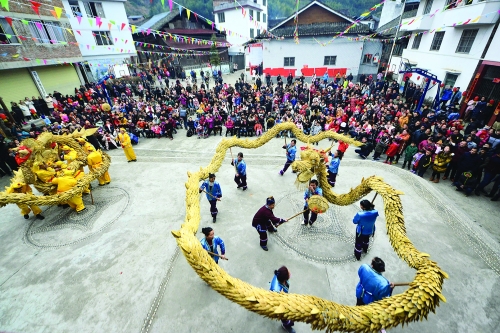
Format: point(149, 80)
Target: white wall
point(493, 53)
point(446, 60)
point(310, 53)
point(390, 10)
point(115, 11)
point(235, 21)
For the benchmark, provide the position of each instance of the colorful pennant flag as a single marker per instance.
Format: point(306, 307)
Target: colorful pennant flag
point(5, 4)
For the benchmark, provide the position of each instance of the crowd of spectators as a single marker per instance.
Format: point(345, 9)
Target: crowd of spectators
point(374, 111)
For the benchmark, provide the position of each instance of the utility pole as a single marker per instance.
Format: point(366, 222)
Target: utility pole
point(395, 37)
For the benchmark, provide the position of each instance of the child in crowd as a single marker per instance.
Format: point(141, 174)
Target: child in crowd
point(416, 161)
point(392, 151)
point(424, 163)
point(409, 152)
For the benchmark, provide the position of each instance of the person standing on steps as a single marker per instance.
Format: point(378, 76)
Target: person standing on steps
point(214, 193)
point(264, 220)
point(372, 286)
point(313, 189)
point(291, 150)
point(211, 242)
point(365, 221)
point(280, 284)
point(240, 178)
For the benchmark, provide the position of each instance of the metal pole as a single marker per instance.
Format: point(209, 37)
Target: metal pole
point(395, 37)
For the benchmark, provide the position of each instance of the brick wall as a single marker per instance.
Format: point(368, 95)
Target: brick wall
point(35, 49)
point(316, 14)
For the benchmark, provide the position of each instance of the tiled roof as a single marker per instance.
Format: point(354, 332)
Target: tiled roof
point(318, 29)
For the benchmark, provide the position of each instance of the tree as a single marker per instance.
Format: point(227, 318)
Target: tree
point(214, 53)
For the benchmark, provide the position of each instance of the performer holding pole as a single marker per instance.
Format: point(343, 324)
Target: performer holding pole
point(241, 171)
point(213, 193)
point(211, 242)
point(313, 189)
point(372, 286)
point(365, 221)
point(265, 220)
point(280, 284)
point(291, 150)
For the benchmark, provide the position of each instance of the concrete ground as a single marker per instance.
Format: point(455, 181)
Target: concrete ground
point(116, 268)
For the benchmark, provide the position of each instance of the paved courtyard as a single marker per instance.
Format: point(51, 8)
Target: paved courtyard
point(117, 268)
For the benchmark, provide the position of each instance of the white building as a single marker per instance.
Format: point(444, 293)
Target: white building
point(102, 31)
point(443, 45)
point(240, 25)
point(317, 51)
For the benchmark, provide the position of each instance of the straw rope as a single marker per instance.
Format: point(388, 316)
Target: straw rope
point(39, 148)
point(422, 296)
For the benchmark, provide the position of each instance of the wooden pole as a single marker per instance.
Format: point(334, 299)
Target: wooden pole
point(218, 255)
point(374, 197)
point(218, 199)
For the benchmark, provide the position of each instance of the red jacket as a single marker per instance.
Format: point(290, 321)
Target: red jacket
point(392, 150)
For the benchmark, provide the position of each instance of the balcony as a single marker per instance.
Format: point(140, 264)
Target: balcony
point(419, 23)
point(244, 3)
point(479, 13)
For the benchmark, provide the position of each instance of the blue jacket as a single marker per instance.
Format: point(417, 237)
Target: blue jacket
point(290, 152)
point(365, 221)
point(308, 194)
point(217, 241)
point(277, 286)
point(216, 190)
point(241, 167)
point(372, 286)
point(446, 95)
point(334, 165)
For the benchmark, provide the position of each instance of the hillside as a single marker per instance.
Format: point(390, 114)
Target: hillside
point(277, 8)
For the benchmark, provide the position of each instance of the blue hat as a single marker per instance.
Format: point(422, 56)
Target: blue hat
point(270, 201)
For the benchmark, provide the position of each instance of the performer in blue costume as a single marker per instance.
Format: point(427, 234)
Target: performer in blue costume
point(240, 178)
point(313, 189)
point(214, 193)
point(291, 150)
point(372, 285)
point(280, 284)
point(366, 227)
point(211, 242)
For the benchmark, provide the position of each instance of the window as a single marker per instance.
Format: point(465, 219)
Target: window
point(75, 8)
point(416, 41)
point(255, 1)
point(367, 58)
point(264, 18)
point(289, 61)
point(252, 34)
point(258, 32)
point(428, 6)
point(450, 79)
point(258, 16)
point(264, 2)
point(47, 32)
point(436, 42)
point(94, 9)
point(398, 49)
point(251, 15)
point(466, 41)
point(330, 60)
point(6, 29)
point(222, 17)
point(102, 38)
